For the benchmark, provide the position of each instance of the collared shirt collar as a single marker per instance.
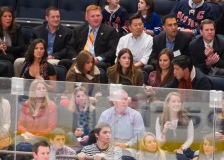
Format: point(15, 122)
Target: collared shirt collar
point(47, 27)
point(124, 113)
point(211, 43)
point(193, 73)
point(170, 44)
point(167, 40)
point(192, 4)
point(95, 29)
point(141, 35)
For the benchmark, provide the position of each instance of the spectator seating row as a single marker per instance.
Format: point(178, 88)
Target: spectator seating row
point(73, 12)
point(217, 81)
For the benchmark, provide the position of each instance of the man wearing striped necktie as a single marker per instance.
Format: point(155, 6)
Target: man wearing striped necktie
point(102, 46)
point(90, 41)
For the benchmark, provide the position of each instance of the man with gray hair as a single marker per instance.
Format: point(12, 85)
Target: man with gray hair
point(126, 123)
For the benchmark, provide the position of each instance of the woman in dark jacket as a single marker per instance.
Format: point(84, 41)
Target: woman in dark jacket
point(11, 38)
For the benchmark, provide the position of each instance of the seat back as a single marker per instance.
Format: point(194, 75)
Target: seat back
point(131, 8)
point(146, 77)
point(103, 76)
point(217, 9)
point(27, 34)
point(163, 7)
point(9, 3)
point(217, 82)
point(65, 118)
point(74, 10)
point(61, 72)
point(33, 9)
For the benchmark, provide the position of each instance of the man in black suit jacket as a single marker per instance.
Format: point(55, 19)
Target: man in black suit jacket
point(58, 35)
point(207, 51)
point(62, 38)
point(105, 41)
point(170, 38)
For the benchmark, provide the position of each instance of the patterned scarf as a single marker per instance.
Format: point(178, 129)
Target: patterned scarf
point(43, 70)
point(185, 84)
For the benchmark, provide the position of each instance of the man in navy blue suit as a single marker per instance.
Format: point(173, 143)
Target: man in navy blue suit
point(55, 35)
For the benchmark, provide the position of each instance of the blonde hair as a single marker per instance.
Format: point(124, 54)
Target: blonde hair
point(92, 7)
point(182, 114)
point(143, 148)
point(72, 104)
point(32, 97)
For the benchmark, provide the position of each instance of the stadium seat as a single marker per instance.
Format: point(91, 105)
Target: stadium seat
point(163, 7)
point(65, 118)
point(146, 77)
point(9, 3)
point(27, 34)
point(103, 77)
point(217, 82)
point(132, 7)
point(216, 8)
point(32, 12)
point(60, 72)
point(73, 12)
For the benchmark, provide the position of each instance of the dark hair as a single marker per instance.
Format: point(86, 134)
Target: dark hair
point(169, 75)
point(12, 28)
point(150, 10)
point(206, 21)
point(30, 51)
point(183, 62)
point(38, 144)
point(135, 16)
point(51, 8)
point(115, 70)
point(56, 131)
point(81, 59)
point(171, 15)
point(81, 128)
point(100, 126)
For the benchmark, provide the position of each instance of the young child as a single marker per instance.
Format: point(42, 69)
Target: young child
point(116, 16)
point(152, 22)
point(58, 147)
point(79, 134)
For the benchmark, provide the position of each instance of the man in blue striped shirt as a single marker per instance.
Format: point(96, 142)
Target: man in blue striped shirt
point(102, 149)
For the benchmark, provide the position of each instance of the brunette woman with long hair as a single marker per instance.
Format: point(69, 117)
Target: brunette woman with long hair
point(12, 42)
point(152, 22)
point(124, 72)
point(164, 69)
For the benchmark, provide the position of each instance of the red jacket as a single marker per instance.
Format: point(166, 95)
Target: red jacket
point(41, 124)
